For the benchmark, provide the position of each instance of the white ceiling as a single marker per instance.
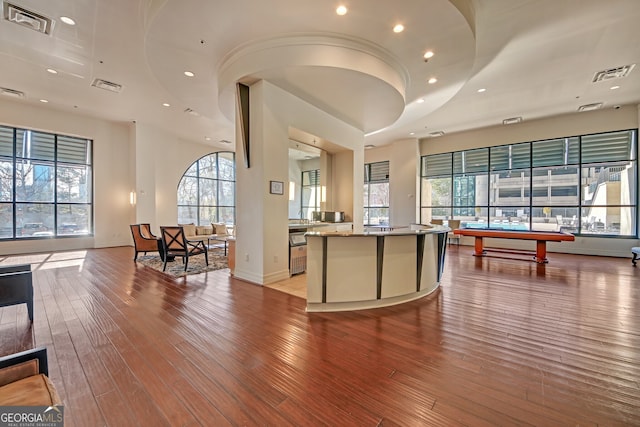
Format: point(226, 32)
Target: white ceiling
point(535, 58)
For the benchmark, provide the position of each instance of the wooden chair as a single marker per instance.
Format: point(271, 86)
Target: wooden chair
point(175, 243)
point(143, 239)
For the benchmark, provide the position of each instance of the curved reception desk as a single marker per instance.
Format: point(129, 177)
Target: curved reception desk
point(348, 271)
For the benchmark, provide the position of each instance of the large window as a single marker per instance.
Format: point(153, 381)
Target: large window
point(376, 193)
point(582, 184)
point(206, 192)
point(45, 185)
point(310, 193)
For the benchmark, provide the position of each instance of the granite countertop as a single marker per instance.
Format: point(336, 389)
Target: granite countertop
point(401, 232)
point(314, 224)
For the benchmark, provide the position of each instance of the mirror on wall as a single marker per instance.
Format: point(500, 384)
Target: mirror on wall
point(304, 180)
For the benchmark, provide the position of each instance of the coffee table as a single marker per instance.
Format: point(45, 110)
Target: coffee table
point(219, 239)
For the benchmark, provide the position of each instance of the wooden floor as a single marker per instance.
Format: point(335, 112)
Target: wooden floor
point(502, 343)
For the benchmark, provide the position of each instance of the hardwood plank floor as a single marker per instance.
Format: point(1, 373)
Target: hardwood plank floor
point(501, 343)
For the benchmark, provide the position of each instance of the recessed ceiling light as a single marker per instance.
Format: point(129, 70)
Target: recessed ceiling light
point(67, 20)
point(412, 133)
point(420, 101)
point(615, 87)
point(166, 104)
point(207, 138)
point(44, 101)
point(189, 74)
point(428, 54)
point(52, 71)
point(481, 90)
point(398, 28)
point(432, 80)
point(341, 10)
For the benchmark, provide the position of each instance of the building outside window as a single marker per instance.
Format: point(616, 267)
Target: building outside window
point(310, 193)
point(206, 192)
point(376, 193)
point(582, 184)
point(46, 185)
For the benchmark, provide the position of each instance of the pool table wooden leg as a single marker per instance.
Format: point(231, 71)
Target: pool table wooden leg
point(541, 251)
point(479, 250)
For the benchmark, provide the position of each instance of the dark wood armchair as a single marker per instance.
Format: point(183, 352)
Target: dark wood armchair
point(143, 239)
point(175, 243)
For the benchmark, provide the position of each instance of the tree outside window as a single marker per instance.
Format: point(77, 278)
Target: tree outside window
point(206, 192)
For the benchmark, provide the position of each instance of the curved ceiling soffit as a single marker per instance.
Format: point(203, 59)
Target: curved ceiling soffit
point(468, 10)
point(149, 9)
point(414, 114)
point(261, 59)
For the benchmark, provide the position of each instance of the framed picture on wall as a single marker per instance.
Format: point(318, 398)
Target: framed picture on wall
point(276, 187)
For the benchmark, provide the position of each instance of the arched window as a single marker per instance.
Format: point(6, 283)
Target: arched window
point(206, 192)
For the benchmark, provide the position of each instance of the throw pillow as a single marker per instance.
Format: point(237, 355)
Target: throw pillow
point(189, 229)
point(220, 229)
point(203, 230)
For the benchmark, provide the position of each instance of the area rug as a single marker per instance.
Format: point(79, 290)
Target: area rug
point(217, 261)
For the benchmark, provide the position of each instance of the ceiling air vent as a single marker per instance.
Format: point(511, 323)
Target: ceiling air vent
point(436, 134)
point(11, 92)
point(590, 107)
point(512, 121)
point(191, 112)
point(613, 73)
point(107, 85)
point(27, 18)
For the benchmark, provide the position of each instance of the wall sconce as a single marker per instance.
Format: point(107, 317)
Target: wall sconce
point(132, 198)
point(292, 190)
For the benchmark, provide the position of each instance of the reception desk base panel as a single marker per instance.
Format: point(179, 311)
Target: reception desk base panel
point(369, 304)
point(351, 272)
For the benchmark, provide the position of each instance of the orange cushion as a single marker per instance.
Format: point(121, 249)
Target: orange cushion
point(13, 373)
point(35, 390)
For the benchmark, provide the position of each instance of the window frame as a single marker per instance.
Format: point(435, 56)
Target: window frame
point(368, 182)
point(58, 157)
point(196, 174)
point(557, 153)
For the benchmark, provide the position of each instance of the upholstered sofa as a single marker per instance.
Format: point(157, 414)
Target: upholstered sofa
point(206, 232)
point(24, 380)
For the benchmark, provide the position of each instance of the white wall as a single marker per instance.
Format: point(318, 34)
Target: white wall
point(161, 161)
point(606, 120)
point(112, 211)
point(262, 247)
point(404, 158)
point(554, 127)
point(126, 157)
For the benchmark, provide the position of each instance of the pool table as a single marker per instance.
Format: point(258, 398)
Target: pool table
point(541, 238)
